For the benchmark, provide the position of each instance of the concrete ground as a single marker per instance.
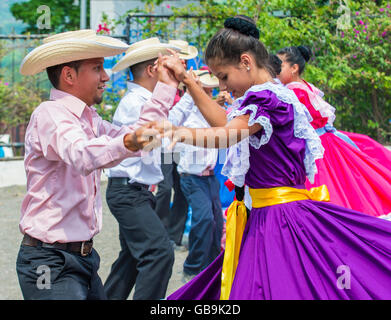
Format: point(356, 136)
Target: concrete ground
point(106, 243)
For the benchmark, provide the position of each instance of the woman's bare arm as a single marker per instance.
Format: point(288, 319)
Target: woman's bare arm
point(213, 113)
point(215, 137)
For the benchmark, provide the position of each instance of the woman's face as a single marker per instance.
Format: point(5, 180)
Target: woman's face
point(287, 71)
point(233, 78)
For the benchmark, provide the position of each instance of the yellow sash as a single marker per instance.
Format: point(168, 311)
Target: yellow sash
point(237, 219)
point(236, 222)
point(269, 197)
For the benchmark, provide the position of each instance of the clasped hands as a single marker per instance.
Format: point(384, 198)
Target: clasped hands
point(149, 136)
point(171, 70)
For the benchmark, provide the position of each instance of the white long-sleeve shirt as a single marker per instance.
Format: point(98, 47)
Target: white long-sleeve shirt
point(145, 169)
point(195, 160)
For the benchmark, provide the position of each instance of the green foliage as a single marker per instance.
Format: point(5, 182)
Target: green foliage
point(350, 41)
point(64, 15)
point(18, 99)
point(18, 102)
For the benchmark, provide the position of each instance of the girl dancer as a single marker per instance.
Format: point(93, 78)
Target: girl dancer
point(355, 168)
point(293, 247)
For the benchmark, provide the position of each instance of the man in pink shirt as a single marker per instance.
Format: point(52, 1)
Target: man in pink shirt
point(67, 144)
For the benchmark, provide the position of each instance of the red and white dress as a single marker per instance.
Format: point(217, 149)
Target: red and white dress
point(355, 168)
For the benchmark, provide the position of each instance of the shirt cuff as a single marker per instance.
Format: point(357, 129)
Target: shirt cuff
point(121, 150)
point(164, 92)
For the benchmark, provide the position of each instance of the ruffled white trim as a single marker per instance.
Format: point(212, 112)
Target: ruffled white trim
point(385, 216)
point(302, 129)
point(237, 162)
point(325, 109)
point(263, 121)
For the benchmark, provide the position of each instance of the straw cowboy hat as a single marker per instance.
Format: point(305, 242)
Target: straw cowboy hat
point(187, 52)
point(141, 51)
point(70, 46)
point(207, 79)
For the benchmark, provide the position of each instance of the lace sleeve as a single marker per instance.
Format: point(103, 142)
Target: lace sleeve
point(256, 116)
point(236, 165)
point(237, 162)
point(302, 127)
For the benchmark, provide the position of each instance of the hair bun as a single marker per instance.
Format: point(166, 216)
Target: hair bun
point(275, 62)
point(243, 26)
point(305, 52)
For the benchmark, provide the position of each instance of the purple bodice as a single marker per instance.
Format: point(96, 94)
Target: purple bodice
point(280, 161)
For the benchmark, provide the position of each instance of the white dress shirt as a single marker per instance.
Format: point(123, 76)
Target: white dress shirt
point(177, 116)
point(145, 169)
point(195, 160)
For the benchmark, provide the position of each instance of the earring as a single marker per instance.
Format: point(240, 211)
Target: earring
point(248, 68)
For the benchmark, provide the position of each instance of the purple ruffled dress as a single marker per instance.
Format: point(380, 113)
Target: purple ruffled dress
point(299, 250)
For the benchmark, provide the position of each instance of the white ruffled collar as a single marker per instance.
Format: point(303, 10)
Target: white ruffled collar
point(237, 163)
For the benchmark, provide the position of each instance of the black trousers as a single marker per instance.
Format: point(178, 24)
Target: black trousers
point(174, 218)
point(147, 256)
point(53, 274)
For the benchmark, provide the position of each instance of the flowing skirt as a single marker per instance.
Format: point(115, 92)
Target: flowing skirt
point(304, 250)
point(371, 147)
point(354, 179)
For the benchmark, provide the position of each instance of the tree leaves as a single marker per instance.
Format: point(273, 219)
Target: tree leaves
point(64, 15)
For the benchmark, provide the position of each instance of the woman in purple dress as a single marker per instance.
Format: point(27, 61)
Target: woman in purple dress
point(293, 246)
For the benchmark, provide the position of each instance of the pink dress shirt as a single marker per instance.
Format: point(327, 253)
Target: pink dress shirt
point(67, 144)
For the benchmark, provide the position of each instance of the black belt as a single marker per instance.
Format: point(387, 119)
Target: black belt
point(210, 173)
point(124, 182)
point(84, 248)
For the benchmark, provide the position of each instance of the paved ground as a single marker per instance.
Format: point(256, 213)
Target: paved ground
point(106, 243)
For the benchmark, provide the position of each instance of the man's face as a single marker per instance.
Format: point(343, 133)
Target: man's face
point(90, 81)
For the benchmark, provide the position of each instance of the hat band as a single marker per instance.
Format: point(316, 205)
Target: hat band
point(203, 73)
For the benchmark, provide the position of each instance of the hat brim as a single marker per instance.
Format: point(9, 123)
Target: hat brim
point(191, 54)
point(206, 79)
point(67, 50)
point(142, 54)
point(209, 82)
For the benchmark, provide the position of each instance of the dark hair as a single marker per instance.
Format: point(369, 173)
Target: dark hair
point(275, 62)
point(54, 72)
point(243, 24)
point(138, 68)
point(297, 55)
point(238, 36)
